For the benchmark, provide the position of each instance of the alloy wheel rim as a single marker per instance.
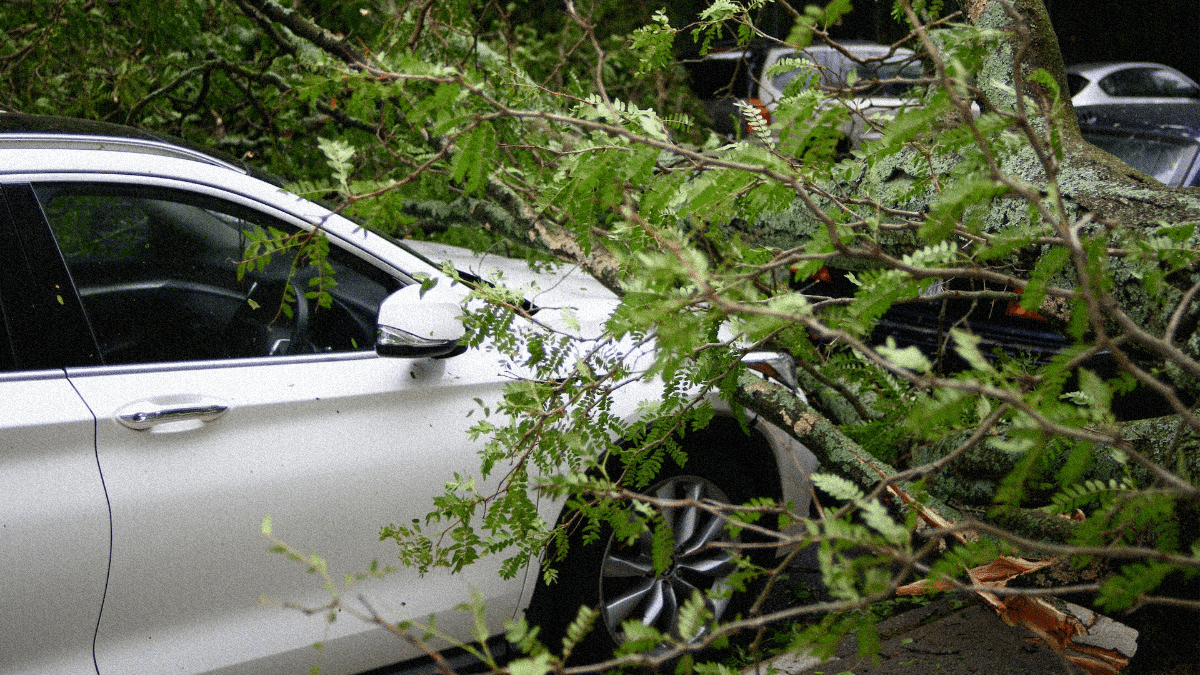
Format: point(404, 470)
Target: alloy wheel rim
point(631, 589)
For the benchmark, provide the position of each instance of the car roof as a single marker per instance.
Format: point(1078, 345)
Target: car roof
point(1105, 65)
point(729, 49)
point(1172, 119)
point(1100, 68)
point(27, 132)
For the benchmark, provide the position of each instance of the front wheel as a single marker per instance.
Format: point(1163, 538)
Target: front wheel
point(702, 561)
point(618, 577)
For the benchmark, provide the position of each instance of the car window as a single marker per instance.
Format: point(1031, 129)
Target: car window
point(1149, 82)
point(157, 273)
point(722, 76)
point(1076, 83)
point(862, 79)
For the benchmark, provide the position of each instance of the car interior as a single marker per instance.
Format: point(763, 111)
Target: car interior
point(157, 272)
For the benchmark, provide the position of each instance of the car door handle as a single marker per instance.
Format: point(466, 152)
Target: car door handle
point(143, 415)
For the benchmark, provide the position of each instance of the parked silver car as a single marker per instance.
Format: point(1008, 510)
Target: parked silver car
point(1128, 82)
point(872, 81)
point(156, 406)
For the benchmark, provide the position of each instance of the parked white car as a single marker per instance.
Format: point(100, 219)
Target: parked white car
point(1129, 82)
point(155, 408)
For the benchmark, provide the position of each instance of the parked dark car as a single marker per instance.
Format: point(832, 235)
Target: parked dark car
point(1003, 326)
point(1160, 139)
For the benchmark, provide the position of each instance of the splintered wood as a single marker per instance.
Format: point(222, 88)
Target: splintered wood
point(1047, 618)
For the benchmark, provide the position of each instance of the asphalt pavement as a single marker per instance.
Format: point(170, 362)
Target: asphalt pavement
point(954, 636)
point(947, 638)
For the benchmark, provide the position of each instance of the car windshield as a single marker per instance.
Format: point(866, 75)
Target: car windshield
point(1168, 160)
point(722, 76)
point(893, 78)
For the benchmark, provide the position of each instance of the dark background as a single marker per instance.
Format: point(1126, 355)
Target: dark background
point(1163, 31)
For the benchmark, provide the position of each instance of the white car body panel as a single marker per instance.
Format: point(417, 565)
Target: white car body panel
point(53, 501)
point(190, 492)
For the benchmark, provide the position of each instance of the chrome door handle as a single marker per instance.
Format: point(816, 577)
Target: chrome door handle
point(146, 414)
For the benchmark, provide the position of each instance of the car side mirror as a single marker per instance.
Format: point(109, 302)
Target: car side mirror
point(410, 326)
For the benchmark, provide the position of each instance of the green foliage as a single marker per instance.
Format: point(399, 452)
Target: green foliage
point(1130, 585)
point(964, 556)
point(306, 249)
point(338, 154)
point(952, 203)
point(837, 486)
point(1087, 493)
point(574, 133)
point(909, 358)
point(654, 42)
point(816, 17)
point(472, 163)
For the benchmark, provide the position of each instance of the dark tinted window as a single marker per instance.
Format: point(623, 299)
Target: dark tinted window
point(723, 76)
point(1148, 82)
point(157, 272)
point(1076, 83)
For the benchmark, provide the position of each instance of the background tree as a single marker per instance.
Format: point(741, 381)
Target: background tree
point(480, 123)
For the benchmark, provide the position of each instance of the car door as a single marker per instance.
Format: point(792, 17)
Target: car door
point(214, 410)
point(54, 529)
point(53, 526)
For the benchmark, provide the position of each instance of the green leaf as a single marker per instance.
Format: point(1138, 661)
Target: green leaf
point(1049, 264)
point(653, 43)
point(693, 615)
point(539, 664)
point(640, 638)
point(954, 200)
point(878, 518)
point(909, 357)
point(966, 345)
point(579, 628)
point(838, 487)
point(1128, 586)
point(338, 155)
point(663, 550)
point(473, 161)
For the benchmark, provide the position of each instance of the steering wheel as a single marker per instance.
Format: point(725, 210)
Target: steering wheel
point(262, 328)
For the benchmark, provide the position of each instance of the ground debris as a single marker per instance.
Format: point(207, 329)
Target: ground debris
point(1066, 628)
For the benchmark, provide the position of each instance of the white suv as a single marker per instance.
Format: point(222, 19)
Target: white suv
point(156, 407)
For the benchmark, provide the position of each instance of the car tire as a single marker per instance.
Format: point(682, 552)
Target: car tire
point(618, 579)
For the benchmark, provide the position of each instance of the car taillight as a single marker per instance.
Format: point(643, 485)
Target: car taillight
point(762, 110)
point(822, 274)
point(1015, 310)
